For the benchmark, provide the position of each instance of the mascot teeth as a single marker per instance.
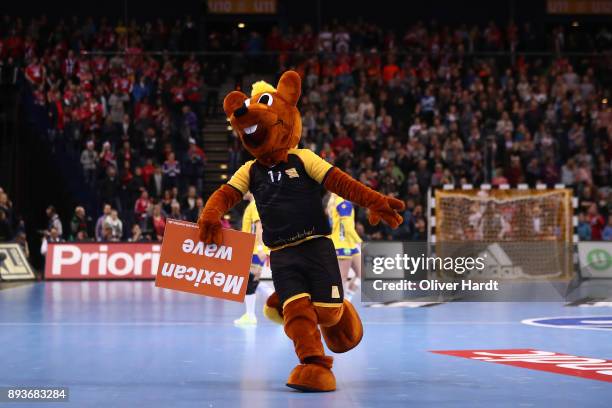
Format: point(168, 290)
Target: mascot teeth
point(250, 130)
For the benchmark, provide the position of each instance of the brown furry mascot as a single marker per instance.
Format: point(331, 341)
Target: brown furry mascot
point(286, 182)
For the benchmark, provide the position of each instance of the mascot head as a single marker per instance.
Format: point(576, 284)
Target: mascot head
point(268, 123)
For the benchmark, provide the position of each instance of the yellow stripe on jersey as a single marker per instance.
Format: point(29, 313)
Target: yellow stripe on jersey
point(276, 248)
point(315, 166)
point(241, 178)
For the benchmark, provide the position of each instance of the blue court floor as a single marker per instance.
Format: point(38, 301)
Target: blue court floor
point(129, 344)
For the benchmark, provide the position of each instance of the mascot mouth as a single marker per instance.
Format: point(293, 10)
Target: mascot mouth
point(254, 136)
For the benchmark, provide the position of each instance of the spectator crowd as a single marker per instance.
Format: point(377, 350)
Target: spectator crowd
point(402, 111)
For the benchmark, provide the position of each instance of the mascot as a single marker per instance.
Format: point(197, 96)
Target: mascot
point(286, 183)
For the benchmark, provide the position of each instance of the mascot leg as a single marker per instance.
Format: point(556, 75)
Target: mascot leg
point(341, 326)
point(313, 374)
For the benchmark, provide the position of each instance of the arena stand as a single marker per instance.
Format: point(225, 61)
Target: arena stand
point(130, 113)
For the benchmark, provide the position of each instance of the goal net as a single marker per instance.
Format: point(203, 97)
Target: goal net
point(520, 233)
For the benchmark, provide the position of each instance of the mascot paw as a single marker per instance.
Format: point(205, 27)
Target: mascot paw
point(313, 376)
point(273, 310)
point(386, 209)
point(210, 230)
point(347, 333)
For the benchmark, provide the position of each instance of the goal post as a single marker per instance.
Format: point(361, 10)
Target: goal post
point(524, 233)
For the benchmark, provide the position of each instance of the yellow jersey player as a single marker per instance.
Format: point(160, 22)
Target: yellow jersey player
point(251, 223)
point(346, 241)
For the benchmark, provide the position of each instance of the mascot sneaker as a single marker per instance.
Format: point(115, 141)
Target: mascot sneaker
point(312, 378)
point(313, 375)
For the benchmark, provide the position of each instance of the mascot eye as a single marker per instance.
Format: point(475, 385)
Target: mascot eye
point(247, 102)
point(266, 99)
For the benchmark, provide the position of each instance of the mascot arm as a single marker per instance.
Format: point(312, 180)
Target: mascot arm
point(220, 202)
point(381, 207)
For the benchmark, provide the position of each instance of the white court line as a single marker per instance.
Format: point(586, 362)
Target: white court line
point(532, 322)
point(399, 323)
point(113, 323)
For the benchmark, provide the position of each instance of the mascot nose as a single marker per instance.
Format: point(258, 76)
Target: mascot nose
point(241, 111)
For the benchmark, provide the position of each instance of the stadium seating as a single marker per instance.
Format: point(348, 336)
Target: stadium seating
point(402, 111)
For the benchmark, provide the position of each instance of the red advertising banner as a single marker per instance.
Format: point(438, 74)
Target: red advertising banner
point(112, 260)
point(585, 367)
point(189, 265)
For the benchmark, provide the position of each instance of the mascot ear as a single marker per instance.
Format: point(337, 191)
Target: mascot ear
point(290, 87)
point(233, 101)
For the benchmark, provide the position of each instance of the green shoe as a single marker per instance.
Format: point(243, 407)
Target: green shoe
point(246, 320)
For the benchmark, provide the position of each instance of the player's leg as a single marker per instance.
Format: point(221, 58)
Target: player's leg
point(344, 263)
point(355, 283)
point(265, 288)
point(249, 318)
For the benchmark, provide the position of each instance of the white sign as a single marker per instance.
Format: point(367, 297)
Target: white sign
point(13, 263)
point(595, 259)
